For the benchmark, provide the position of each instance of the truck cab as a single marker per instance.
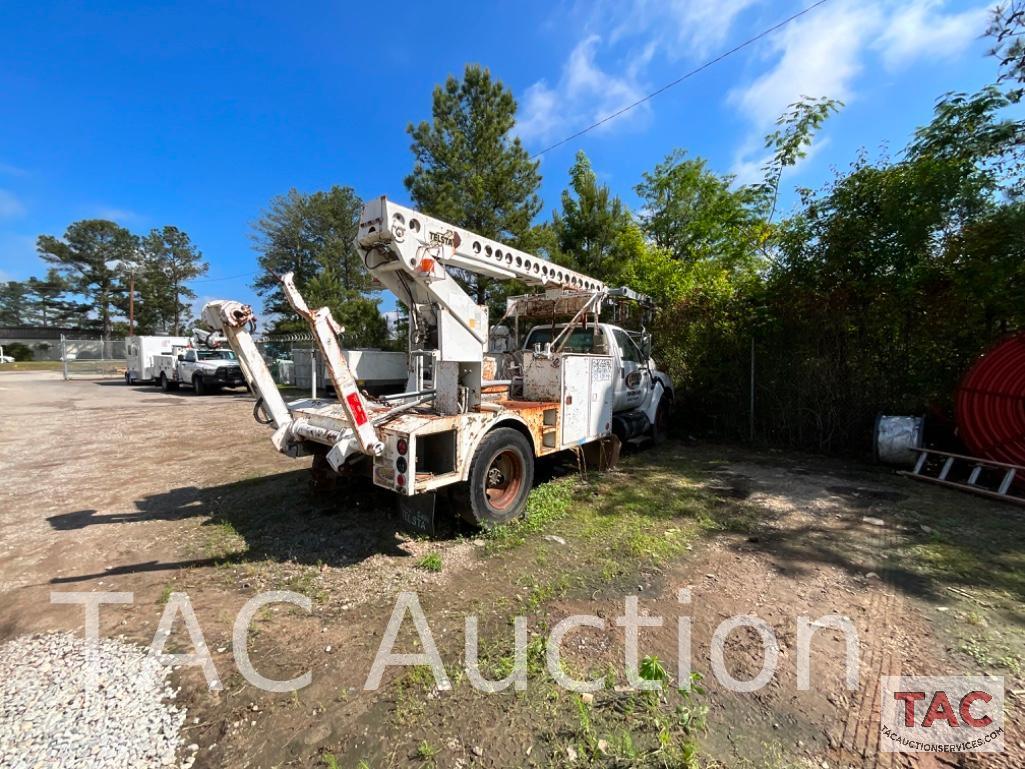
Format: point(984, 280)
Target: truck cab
point(637, 382)
point(204, 370)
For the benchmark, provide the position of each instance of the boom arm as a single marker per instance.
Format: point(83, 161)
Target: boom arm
point(461, 248)
point(408, 252)
point(325, 332)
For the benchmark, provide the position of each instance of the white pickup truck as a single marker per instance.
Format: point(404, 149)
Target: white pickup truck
point(205, 371)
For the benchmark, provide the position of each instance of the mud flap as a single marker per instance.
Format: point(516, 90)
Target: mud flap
point(602, 454)
point(417, 513)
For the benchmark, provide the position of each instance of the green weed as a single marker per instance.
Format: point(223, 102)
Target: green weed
point(430, 562)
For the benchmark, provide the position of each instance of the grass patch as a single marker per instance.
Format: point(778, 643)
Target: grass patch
point(992, 654)
point(427, 753)
point(431, 562)
point(32, 365)
point(223, 539)
point(547, 503)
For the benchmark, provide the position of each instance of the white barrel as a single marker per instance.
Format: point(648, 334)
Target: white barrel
point(896, 439)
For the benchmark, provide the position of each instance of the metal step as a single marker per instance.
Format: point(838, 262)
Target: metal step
point(973, 474)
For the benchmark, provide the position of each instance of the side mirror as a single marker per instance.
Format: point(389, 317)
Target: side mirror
point(181, 358)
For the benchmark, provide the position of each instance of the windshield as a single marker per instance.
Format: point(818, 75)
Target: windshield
point(216, 355)
point(580, 339)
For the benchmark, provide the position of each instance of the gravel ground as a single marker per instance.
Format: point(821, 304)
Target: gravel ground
point(66, 702)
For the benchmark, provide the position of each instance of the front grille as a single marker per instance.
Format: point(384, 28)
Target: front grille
point(229, 372)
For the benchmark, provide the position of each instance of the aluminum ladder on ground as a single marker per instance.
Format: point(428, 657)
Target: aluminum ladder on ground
point(959, 471)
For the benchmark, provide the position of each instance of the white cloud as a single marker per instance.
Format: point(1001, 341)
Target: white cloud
point(750, 161)
point(631, 33)
point(120, 215)
point(825, 52)
point(819, 55)
point(920, 29)
point(540, 110)
point(627, 47)
point(681, 28)
point(10, 205)
point(584, 94)
point(11, 170)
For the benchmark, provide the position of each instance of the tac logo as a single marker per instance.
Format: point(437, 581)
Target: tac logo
point(942, 714)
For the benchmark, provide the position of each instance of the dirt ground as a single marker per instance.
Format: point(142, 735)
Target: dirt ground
point(117, 488)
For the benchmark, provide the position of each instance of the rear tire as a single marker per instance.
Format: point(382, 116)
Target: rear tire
point(166, 384)
point(501, 476)
point(128, 379)
point(199, 386)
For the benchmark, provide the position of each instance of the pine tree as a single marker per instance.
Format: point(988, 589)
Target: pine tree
point(592, 224)
point(310, 235)
point(167, 259)
point(469, 170)
point(51, 304)
point(92, 256)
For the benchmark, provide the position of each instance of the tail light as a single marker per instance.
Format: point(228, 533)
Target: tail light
point(400, 481)
point(402, 446)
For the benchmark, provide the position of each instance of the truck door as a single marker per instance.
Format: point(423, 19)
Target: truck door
point(188, 366)
point(632, 371)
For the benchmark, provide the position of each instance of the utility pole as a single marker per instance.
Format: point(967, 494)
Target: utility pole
point(131, 303)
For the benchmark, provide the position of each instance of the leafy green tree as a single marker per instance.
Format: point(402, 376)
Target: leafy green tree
point(469, 170)
point(1007, 28)
point(796, 128)
point(91, 257)
point(166, 260)
point(359, 315)
point(695, 214)
point(309, 235)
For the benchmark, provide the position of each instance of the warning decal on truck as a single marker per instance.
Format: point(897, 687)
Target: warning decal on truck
point(601, 369)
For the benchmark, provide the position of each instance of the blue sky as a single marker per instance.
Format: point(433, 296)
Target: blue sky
point(196, 114)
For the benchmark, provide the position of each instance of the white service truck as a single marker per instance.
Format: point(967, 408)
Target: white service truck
point(200, 364)
point(481, 402)
point(140, 352)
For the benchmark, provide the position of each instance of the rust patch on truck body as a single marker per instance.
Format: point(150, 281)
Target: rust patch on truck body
point(542, 419)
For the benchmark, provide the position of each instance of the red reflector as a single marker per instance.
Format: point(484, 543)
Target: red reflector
point(356, 406)
point(402, 446)
point(400, 481)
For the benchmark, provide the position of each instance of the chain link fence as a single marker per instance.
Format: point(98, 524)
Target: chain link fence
point(92, 358)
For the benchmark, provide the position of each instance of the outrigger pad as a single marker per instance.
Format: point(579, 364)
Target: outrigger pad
point(417, 513)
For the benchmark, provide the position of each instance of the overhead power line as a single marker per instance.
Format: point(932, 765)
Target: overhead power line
point(229, 277)
point(691, 73)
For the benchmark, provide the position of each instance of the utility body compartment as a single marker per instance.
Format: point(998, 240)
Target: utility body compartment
point(582, 384)
point(140, 352)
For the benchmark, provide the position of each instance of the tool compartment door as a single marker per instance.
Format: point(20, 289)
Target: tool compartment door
point(602, 397)
point(586, 398)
